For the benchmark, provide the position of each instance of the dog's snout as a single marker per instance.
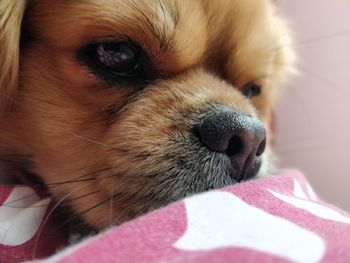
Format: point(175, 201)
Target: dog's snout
point(240, 136)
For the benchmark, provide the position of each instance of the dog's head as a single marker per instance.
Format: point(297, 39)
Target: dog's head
point(122, 106)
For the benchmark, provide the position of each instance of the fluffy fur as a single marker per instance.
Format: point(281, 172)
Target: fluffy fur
point(112, 151)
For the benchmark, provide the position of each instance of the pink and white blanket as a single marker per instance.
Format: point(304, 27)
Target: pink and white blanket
point(277, 219)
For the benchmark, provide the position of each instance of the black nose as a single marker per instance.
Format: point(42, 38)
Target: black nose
point(240, 136)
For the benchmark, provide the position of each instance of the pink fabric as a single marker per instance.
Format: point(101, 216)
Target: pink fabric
point(26, 231)
point(277, 219)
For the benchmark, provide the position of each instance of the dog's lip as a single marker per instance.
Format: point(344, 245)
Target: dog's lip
point(249, 171)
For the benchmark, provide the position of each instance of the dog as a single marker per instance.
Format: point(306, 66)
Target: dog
point(119, 107)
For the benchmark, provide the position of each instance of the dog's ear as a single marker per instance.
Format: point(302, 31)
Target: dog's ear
point(11, 15)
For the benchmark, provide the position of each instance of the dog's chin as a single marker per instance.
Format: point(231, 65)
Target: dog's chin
point(204, 179)
point(207, 177)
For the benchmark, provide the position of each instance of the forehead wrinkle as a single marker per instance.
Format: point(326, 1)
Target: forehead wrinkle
point(161, 22)
point(155, 17)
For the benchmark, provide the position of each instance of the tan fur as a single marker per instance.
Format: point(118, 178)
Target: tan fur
point(72, 125)
point(11, 14)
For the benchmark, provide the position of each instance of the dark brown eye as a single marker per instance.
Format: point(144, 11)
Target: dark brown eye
point(118, 62)
point(251, 90)
point(120, 58)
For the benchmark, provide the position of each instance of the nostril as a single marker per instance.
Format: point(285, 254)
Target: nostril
point(235, 146)
point(261, 148)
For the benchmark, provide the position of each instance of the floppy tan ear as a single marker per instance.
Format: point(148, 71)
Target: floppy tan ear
point(11, 15)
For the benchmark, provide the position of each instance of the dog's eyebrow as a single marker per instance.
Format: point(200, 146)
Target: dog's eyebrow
point(161, 22)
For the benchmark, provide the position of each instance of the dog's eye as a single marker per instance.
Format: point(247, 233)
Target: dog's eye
point(118, 62)
point(251, 90)
point(120, 58)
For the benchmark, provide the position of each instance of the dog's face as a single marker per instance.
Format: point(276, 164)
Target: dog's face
point(123, 106)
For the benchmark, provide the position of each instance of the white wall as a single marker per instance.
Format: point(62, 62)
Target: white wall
point(314, 113)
